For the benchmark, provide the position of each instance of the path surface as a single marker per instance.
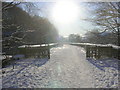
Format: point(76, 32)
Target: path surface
point(67, 68)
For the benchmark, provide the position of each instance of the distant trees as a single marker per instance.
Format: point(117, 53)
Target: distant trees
point(92, 36)
point(107, 15)
point(63, 39)
point(42, 31)
point(19, 27)
point(97, 37)
point(74, 38)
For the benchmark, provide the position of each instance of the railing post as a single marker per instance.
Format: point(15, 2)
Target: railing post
point(95, 52)
point(48, 51)
point(87, 51)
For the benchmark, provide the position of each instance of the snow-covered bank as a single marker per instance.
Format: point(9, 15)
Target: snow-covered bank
point(67, 68)
point(22, 74)
point(105, 72)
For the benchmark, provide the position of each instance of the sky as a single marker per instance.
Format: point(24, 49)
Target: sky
point(64, 24)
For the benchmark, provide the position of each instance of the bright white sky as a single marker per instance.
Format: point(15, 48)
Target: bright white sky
point(67, 16)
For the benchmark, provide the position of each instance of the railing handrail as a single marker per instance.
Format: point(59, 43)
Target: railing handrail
point(99, 45)
point(39, 45)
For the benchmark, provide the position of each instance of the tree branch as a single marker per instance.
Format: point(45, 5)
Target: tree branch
point(10, 5)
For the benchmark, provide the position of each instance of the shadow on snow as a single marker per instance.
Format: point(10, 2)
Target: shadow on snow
point(102, 63)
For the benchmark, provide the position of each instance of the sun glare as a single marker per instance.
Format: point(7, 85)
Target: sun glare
point(65, 12)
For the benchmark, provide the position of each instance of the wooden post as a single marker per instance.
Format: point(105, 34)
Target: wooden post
point(118, 53)
point(48, 51)
point(98, 52)
point(95, 52)
point(87, 51)
point(14, 65)
point(90, 51)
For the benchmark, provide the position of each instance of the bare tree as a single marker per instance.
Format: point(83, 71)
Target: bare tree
point(107, 15)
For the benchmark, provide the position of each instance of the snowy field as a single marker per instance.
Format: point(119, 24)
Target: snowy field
point(67, 68)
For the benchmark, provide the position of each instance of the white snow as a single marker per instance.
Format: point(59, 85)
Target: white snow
point(105, 73)
point(67, 68)
point(22, 73)
point(41, 45)
point(101, 45)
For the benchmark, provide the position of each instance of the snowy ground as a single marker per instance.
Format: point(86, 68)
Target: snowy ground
point(67, 68)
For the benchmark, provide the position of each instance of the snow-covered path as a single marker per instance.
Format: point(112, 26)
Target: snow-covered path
point(67, 68)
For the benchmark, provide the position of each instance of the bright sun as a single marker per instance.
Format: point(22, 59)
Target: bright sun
point(65, 12)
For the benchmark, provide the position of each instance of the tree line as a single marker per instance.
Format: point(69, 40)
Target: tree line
point(19, 28)
point(95, 37)
point(106, 21)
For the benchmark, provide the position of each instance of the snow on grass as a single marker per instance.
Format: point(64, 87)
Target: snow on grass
point(105, 73)
point(23, 74)
point(67, 67)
